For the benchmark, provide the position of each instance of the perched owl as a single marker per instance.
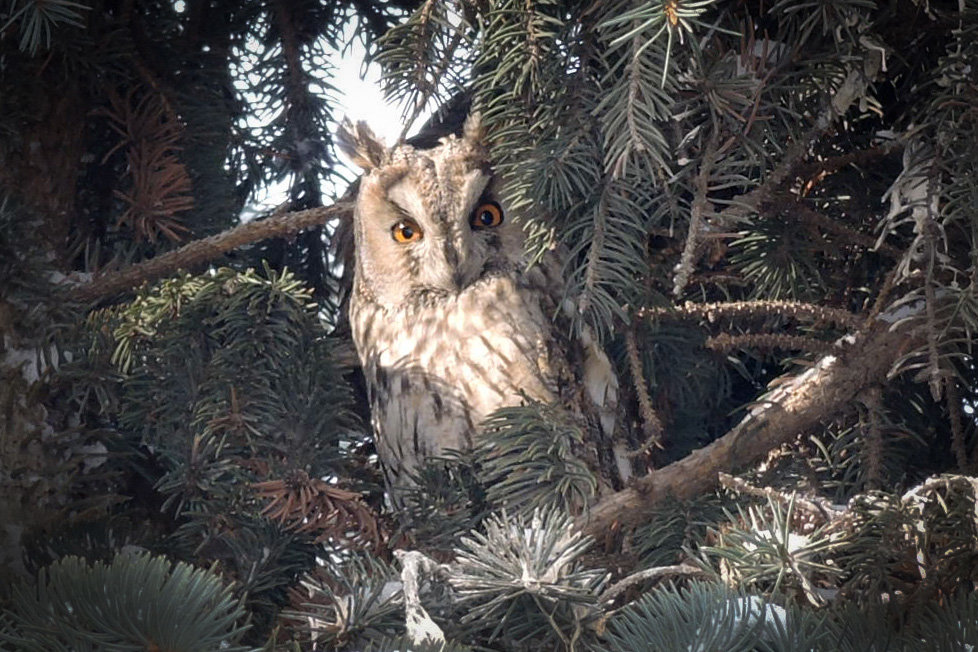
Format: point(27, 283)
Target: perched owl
point(449, 321)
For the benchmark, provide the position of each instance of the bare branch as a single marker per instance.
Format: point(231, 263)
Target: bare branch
point(651, 424)
point(797, 405)
point(725, 343)
point(198, 252)
point(700, 212)
point(657, 573)
point(825, 223)
point(954, 405)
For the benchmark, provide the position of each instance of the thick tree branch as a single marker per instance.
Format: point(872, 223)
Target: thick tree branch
point(198, 252)
point(794, 407)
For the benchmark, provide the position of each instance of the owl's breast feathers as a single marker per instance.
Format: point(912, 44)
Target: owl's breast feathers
point(435, 369)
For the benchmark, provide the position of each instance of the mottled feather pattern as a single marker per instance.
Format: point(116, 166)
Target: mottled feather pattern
point(449, 323)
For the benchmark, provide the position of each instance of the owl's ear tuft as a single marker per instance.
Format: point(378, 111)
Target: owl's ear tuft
point(473, 131)
point(360, 145)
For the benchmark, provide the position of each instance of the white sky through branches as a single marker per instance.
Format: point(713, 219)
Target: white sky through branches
point(357, 95)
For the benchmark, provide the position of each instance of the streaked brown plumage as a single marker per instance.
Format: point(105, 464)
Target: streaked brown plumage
point(449, 322)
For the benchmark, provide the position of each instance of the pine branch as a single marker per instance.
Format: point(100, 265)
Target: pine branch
point(825, 223)
point(594, 255)
point(205, 250)
point(797, 405)
point(952, 399)
point(134, 602)
point(851, 90)
point(743, 310)
point(657, 573)
point(651, 424)
point(872, 400)
point(815, 171)
point(725, 343)
point(426, 94)
point(930, 238)
point(701, 211)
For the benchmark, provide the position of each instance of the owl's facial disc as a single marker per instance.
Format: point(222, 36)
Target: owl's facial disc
point(430, 223)
point(444, 232)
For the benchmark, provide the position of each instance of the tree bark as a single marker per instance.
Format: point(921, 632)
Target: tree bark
point(198, 252)
point(793, 407)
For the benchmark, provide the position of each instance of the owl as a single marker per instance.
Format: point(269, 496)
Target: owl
point(449, 319)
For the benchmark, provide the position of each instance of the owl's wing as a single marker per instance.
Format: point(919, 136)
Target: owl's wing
point(601, 383)
point(598, 376)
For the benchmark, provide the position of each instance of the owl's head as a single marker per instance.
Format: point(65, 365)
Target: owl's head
point(429, 223)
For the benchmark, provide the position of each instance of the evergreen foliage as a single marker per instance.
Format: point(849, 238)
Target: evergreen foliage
point(531, 462)
point(353, 604)
point(136, 602)
point(707, 617)
point(522, 581)
point(768, 216)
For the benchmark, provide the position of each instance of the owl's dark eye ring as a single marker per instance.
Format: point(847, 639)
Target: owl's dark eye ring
point(406, 230)
point(487, 215)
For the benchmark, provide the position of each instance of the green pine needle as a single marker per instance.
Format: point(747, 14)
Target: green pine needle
point(135, 602)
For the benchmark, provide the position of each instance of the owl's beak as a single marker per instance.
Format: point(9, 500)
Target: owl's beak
point(459, 265)
point(458, 279)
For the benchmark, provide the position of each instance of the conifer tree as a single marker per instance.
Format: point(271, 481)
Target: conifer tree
point(771, 214)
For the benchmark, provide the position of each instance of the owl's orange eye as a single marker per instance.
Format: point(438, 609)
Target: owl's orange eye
point(487, 215)
point(406, 231)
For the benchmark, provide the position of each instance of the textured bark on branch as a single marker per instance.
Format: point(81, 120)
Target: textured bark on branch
point(198, 252)
point(794, 407)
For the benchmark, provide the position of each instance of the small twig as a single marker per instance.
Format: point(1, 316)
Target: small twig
point(817, 170)
point(657, 573)
point(806, 584)
point(872, 398)
point(651, 425)
point(815, 506)
point(739, 310)
point(420, 627)
point(594, 254)
point(700, 211)
point(928, 225)
point(718, 278)
point(888, 284)
point(553, 624)
point(725, 342)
